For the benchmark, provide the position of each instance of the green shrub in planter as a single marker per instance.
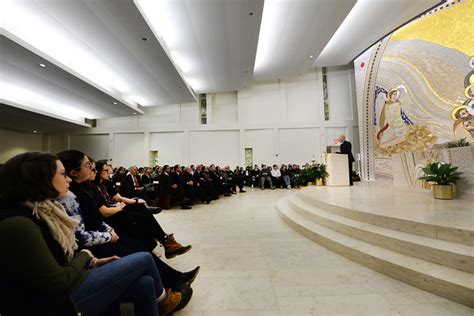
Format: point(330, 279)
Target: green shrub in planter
point(441, 173)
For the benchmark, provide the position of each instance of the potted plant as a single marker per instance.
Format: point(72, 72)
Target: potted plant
point(322, 174)
point(443, 176)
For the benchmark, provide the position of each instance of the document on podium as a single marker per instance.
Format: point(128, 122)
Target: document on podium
point(338, 169)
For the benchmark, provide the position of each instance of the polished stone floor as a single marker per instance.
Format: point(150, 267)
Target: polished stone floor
point(252, 263)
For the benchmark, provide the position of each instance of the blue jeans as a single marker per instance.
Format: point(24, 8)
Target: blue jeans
point(286, 178)
point(131, 279)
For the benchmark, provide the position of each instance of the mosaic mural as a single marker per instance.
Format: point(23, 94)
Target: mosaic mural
point(419, 84)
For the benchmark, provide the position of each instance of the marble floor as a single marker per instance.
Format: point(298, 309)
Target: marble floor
point(252, 263)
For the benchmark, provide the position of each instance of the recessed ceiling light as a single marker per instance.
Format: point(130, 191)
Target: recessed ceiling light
point(42, 65)
point(35, 131)
point(115, 102)
point(311, 56)
point(134, 113)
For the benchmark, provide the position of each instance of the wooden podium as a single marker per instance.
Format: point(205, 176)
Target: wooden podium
point(338, 169)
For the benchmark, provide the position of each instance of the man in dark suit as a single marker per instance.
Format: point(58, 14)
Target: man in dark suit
point(346, 148)
point(131, 185)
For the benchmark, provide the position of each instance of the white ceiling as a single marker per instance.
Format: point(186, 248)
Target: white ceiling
point(21, 120)
point(96, 52)
point(293, 34)
point(50, 89)
point(100, 41)
point(212, 42)
point(368, 22)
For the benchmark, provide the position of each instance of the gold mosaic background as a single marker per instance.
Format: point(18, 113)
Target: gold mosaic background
point(424, 92)
point(424, 84)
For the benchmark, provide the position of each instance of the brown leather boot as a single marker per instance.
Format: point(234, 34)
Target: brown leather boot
point(174, 248)
point(169, 304)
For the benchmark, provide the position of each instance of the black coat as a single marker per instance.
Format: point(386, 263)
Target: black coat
point(128, 188)
point(346, 148)
point(165, 184)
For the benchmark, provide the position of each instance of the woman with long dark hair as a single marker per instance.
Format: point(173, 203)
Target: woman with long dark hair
point(44, 272)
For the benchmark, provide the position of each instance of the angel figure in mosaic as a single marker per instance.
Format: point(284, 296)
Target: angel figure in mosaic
point(393, 122)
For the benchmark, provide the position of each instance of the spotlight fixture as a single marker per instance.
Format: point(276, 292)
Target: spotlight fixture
point(42, 65)
point(144, 39)
point(115, 102)
point(35, 132)
point(250, 13)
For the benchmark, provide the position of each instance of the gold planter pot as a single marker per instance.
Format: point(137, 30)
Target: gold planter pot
point(320, 181)
point(443, 192)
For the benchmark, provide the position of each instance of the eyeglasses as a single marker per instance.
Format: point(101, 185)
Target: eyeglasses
point(87, 165)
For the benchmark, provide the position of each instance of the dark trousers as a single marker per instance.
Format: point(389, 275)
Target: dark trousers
point(137, 222)
point(350, 173)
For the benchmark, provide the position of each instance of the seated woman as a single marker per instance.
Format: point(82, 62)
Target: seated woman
point(43, 272)
point(129, 216)
point(94, 234)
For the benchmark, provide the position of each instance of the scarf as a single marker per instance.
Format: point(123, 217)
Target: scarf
point(59, 223)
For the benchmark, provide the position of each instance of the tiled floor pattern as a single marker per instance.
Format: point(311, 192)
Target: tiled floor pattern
point(252, 263)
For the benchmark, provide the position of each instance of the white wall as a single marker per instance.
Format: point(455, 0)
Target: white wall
point(224, 108)
point(284, 117)
point(13, 143)
point(208, 147)
point(298, 145)
point(129, 150)
point(340, 100)
point(303, 96)
point(260, 104)
point(170, 147)
point(95, 146)
point(262, 142)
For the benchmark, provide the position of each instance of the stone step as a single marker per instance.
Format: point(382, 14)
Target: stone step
point(450, 254)
point(450, 283)
point(457, 235)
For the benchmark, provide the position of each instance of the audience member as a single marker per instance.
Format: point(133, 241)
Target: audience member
point(46, 273)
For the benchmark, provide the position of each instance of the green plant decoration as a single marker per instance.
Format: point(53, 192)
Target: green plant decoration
point(441, 173)
point(460, 143)
point(322, 171)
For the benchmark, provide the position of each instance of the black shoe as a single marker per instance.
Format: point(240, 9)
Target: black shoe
point(226, 194)
point(186, 207)
point(188, 277)
point(242, 191)
point(186, 294)
point(154, 209)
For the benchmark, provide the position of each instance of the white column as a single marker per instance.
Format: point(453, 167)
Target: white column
point(146, 148)
point(111, 146)
point(283, 102)
point(276, 146)
point(210, 100)
point(187, 157)
point(242, 147)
